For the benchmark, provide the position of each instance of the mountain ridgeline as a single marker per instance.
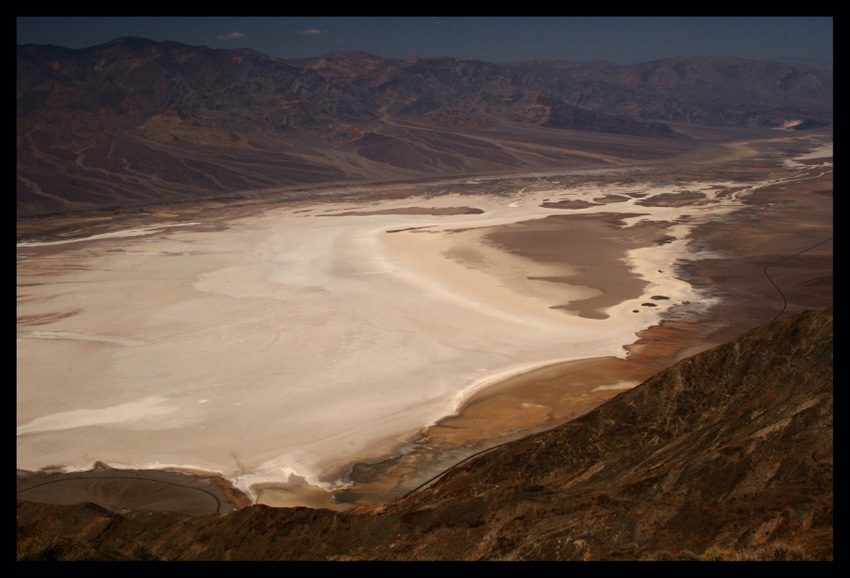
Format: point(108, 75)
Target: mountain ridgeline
point(135, 122)
point(727, 454)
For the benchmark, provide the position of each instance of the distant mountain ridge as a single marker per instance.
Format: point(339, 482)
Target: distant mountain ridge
point(135, 121)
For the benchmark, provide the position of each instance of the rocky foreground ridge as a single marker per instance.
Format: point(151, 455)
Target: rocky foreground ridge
point(726, 454)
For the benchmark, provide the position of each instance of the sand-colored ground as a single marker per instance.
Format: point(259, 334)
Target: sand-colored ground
point(279, 347)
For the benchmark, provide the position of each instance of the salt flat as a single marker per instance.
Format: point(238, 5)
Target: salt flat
point(302, 339)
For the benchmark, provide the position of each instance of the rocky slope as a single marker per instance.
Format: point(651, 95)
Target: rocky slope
point(727, 453)
point(136, 122)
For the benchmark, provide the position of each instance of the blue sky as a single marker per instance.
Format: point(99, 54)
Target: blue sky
point(622, 40)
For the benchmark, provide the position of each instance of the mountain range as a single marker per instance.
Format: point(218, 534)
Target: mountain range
point(134, 122)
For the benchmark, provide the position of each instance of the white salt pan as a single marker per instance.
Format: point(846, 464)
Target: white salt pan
point(293, 343)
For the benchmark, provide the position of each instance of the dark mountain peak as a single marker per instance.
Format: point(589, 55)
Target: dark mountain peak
point(128, 42)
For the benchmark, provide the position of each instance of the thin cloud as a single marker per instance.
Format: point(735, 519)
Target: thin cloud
point(312, 32)
point(232, 36)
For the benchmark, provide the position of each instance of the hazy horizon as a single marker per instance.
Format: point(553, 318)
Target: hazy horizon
point(620, 40)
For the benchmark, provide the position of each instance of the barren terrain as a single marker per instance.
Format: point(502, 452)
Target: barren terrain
point(341, 350)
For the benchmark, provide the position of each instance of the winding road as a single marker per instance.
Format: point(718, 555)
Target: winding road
point(772, 282)
point(134, 478)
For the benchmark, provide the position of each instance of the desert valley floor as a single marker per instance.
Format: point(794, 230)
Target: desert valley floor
point(344, 350)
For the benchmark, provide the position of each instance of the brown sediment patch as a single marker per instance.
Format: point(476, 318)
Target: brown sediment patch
point(568, 204)
point(548, 395)
point(412, 211)
point(815, 162)
point(611, 199)
point(46, 317)
point(540, 396)
point(681, 199)
point(591, 248)
point(408, 229)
